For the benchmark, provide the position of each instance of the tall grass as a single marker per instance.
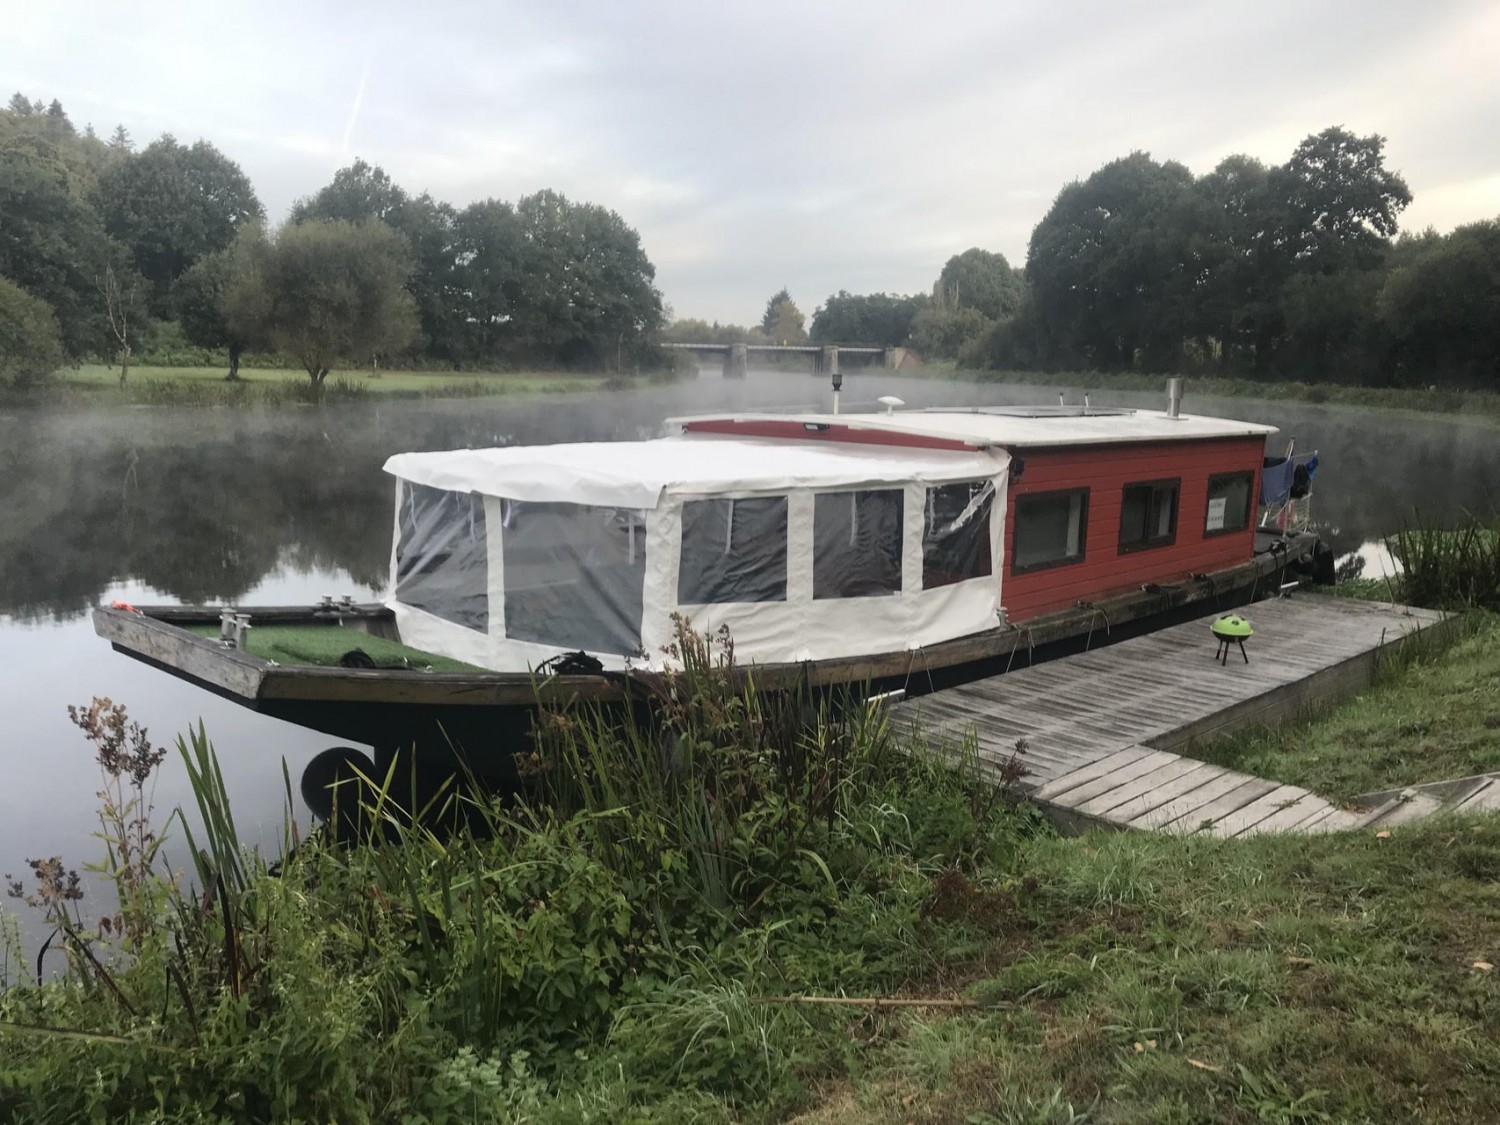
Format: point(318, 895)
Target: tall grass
point(1450, 569)
point(606, 939)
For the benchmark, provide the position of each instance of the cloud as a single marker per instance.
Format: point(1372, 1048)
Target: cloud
point(849, 144)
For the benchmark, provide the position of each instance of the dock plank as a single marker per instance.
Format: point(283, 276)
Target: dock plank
point(1101, 727)
point(1256, 811)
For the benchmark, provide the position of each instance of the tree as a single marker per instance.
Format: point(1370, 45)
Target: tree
point(20, 105)
point(1332, 334)
point(325, 291)
point(1109, 268)
point(1342, 203)
point(364, 192)
point(942, 332)
point(873, 318)
point(52, 243)
point(982, 280)
point(120, 290)
point(120, 140)
point(200, 297)
point(783, 320)
point(1238, 263)
point(1440, 307)
point(583, 286)
point(57, 123)
point(30, 343)
point(173, 204)
point(691, 330)
point(359, 193)
point(488, 243)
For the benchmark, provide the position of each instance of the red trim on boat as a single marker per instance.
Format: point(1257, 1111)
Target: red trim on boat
point(796, 430)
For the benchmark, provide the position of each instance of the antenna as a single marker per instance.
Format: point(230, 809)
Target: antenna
point(1061, 401)
point(890, 402)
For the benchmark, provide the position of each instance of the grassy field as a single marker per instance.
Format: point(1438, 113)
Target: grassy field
point(1160, 980)
point(191, 385)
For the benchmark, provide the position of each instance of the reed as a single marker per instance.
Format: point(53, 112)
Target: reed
point(1457, 568)
point(595, 941)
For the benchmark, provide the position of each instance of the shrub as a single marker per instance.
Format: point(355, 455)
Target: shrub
point(615, 938)
point(30, 341)
point(1450, 569)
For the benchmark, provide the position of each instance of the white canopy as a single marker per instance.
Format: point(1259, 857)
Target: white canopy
point(634, 474)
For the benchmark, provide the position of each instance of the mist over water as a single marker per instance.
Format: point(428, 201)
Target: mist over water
point(164, 505)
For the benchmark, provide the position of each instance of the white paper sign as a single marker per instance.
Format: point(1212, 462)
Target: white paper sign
point(1216, 509)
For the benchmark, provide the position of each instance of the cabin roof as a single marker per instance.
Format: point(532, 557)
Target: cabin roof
point(1005, 427)
point(633, 474)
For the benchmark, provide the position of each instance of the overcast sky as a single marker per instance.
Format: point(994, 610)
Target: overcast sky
point(852, 144)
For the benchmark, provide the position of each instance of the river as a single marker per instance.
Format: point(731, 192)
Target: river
point(163, 505)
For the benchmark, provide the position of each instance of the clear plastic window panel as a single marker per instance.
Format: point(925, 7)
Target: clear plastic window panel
point(956, 533)
point(575, 575)
point(733, 551)
point(857, 543)
point(1050, 528)
point(442, 560)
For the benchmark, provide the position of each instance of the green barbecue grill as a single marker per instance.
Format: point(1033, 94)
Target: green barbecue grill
point(1231, 629)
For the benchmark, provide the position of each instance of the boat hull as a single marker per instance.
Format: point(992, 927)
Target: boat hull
point(488, 714)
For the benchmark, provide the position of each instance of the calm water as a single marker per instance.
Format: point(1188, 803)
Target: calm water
point(156, 505)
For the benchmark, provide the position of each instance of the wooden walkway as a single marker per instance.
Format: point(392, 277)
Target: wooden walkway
point(1479, 793)
point(1100, 728)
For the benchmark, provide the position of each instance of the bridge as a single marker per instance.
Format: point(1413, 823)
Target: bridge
point(825, 357)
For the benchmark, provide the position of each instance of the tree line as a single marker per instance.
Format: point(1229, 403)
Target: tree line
point(1297, 271)
point(106, 250)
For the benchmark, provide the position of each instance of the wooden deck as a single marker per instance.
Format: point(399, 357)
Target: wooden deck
point(1100, 728)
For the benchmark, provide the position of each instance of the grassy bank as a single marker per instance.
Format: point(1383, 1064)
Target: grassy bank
point(1160, 980)
point(759, 918)
point(205, 386)
point(1423, 400)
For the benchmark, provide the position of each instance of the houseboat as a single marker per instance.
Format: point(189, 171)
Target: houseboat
point(888, 549)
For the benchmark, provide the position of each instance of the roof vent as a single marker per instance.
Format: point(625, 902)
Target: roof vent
point(1174, 398)
point(890, 402)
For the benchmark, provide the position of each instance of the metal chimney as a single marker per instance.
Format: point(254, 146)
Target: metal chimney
point(1174, 398)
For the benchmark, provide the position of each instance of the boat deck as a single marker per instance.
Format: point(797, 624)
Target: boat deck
point(1100, 728)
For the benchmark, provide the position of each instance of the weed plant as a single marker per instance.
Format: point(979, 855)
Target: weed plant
point(622, 942)
point(1456, 568)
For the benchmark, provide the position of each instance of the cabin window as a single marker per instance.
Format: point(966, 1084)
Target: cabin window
point(1051, 529)
point(1228, 503)
point(956, 533)
point(857, 543)
point(442, 559)
point(1148, 515)
point(575, 575)
point(733, 551)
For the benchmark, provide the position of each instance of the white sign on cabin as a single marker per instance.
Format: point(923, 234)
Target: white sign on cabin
point(1216, 510)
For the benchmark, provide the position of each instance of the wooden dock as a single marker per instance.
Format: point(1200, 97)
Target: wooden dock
point(1101, 728)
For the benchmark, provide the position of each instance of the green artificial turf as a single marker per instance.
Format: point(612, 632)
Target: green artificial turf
point(324, 644)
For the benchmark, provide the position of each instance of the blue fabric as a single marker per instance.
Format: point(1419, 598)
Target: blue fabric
point(1276, 482)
